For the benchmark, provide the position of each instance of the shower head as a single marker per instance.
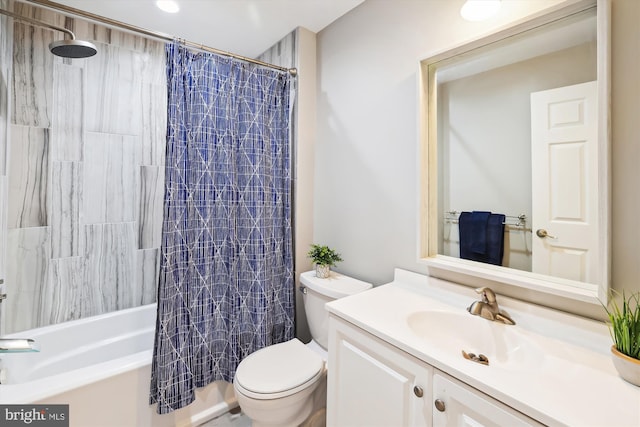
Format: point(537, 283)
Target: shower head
point(65, 48)
point(72, 48)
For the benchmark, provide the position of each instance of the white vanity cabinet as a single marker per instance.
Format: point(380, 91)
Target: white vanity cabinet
point(372, 383)
point(550, 368)
point(457, 404)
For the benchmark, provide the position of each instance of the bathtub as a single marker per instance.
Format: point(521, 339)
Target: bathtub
point(101, 368)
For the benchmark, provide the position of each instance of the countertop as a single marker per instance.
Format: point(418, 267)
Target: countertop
point(574, 383)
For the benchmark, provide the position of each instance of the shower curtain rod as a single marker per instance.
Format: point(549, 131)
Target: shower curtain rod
point(112, 22)
point(38, 23)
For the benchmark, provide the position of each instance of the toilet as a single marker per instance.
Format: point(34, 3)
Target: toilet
point(285, 384)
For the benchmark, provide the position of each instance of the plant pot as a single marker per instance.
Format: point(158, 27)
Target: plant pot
point(322, 271)
point(628, 367)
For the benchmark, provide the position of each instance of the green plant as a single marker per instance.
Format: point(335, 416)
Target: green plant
point(323, 255)
point(625, 325)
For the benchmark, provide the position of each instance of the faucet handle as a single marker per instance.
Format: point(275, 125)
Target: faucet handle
point(488, 295)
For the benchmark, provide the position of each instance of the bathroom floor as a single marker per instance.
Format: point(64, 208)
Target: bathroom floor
point(229, 420)
point(241, 420)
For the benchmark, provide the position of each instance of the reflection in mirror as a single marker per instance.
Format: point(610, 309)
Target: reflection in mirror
point(515, 122)
point(484, 133)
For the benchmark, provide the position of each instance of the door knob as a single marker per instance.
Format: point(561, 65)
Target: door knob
point(439, 405)
point(542, 233)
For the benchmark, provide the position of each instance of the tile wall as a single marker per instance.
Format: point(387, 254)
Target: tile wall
point(6, 53)
point(81, 171)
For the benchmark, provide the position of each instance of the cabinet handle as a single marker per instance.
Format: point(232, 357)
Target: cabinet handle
point(417, 390)
point(439, 405)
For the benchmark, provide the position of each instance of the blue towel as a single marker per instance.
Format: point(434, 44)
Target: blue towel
point(482, 236)
point(474, 225)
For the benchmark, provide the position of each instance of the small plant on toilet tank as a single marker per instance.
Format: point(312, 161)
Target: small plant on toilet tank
point(323, 257)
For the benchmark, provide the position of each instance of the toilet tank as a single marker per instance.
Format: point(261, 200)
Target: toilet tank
point(317, 292)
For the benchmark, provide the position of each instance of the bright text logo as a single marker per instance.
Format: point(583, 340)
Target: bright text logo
point(34, 415)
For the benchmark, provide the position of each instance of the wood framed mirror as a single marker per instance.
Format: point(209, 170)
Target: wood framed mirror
point(482, 105)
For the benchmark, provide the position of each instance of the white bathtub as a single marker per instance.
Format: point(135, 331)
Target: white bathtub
point(101, 367)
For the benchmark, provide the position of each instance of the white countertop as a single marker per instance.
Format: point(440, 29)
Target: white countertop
point(574, 384)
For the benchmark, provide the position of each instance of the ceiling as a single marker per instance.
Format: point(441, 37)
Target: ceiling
point(243, 27)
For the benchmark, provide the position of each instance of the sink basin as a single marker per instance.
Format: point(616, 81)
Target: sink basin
point(455, 332)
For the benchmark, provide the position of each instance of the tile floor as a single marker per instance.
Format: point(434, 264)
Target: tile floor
point(229, 420)
point(241, 420)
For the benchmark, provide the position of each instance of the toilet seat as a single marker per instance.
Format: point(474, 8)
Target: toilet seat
point(278, 371)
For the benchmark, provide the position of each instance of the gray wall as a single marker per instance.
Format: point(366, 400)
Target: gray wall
point(366, 193)
point(84, 174)
point(625, 268)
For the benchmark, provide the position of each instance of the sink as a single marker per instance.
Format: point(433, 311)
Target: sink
point(455, 332)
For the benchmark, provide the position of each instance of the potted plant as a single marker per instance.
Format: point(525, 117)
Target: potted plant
point(625, 332)
point(323, 257)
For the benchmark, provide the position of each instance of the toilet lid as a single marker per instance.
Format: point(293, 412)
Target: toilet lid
point(278, 368)
point(335, 286)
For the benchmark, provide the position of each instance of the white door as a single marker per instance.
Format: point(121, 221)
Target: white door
point(564, 145)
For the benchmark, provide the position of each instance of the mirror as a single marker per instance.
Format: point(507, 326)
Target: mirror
point(490, 110)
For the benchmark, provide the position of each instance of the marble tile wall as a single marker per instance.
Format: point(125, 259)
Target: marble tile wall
point(82, 145)
point(28, 176)
point(6, 55)
point(284, 53)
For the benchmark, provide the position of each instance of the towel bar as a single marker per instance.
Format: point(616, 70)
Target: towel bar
point(518, 221)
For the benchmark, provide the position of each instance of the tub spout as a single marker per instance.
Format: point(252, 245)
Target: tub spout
point(17, 345)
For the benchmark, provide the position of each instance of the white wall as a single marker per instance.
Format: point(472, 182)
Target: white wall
point(366, 177)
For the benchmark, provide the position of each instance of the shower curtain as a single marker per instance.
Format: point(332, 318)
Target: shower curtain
point(226, 270)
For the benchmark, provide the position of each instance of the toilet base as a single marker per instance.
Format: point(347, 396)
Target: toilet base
point(316, 419)
point(318, 416)
point(297, 420)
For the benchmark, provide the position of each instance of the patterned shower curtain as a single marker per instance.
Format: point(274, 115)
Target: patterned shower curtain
point(226, 270)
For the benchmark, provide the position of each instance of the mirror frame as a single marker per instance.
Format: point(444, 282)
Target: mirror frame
point(428, 162)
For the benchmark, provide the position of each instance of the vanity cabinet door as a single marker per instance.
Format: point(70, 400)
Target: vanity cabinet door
point(457, 404)
point(371, 383)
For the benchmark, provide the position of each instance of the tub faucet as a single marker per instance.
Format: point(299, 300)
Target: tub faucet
point(488, 307)
point(18, 345)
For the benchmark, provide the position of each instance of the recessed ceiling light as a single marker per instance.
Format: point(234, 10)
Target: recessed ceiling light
point(479, 10)
point(168, 6)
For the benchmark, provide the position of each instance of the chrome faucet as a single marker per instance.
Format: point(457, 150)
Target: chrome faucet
point(18, 345)
point(488, 307)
